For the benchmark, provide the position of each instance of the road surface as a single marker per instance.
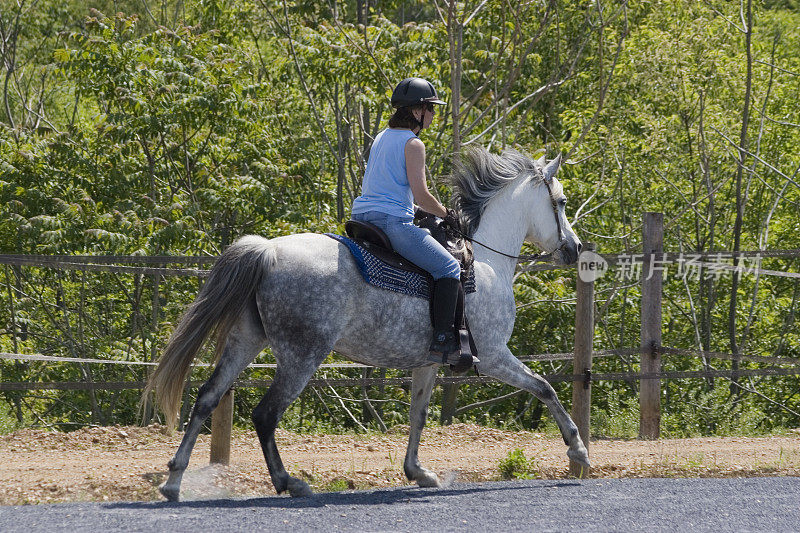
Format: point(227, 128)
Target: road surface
point(744, 504)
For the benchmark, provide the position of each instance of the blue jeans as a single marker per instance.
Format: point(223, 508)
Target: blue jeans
point(414, 243)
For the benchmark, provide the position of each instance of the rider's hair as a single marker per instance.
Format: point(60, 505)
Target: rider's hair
point(403, 117)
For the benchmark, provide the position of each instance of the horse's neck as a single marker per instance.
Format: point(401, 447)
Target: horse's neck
point(501, 228)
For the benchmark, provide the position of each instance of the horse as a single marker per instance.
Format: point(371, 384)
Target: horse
point(302, 296)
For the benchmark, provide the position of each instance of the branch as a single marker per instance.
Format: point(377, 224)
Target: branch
point(683, 196)
point(541, 91)
point(753, 391)
point(597, 188)
point(311, 101)
point(747, 152)
point(693, 204)
point(729, 21)
point(367, 47)
point(149, 13)
point(346, 410)
point(513, 75)
point(761, 130)
point(485, 403)
point(477, 10)
point(769, 119)
point(776, 67)
point(10, 61)
point(372, 411)
point(604, 88)
point(439, 12)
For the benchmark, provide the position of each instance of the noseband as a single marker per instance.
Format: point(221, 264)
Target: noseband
point(561, 235)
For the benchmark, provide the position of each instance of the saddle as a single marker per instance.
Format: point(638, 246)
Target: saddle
point(377, 243)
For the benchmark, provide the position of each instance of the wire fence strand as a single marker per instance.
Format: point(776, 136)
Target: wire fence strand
point(444, 380)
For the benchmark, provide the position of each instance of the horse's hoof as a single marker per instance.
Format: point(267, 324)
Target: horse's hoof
point(579, 456)
point(299, 488)
point(172, 494)
point(427, 479)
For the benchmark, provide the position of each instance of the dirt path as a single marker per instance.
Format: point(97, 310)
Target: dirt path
point(128, 463)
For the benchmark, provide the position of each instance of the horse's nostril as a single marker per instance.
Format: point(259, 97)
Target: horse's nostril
point(580, 247)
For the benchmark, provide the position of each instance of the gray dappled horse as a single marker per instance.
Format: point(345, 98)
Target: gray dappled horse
point(303, 296)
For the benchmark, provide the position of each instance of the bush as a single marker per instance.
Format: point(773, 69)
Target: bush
point(517, 466)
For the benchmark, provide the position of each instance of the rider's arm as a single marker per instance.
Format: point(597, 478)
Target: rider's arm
point(415, 171)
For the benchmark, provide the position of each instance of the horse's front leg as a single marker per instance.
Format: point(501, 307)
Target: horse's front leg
point(504, 366)
point(422, 380)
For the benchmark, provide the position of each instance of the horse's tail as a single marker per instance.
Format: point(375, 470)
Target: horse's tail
point(231, 284)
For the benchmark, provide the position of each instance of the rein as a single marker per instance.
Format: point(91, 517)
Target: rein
point(533, 258)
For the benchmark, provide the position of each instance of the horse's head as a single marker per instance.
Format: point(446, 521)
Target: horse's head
point(548, 227)
point(514, 197)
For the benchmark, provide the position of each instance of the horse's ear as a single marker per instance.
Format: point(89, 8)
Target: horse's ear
point(550, 170)
point(542, 161)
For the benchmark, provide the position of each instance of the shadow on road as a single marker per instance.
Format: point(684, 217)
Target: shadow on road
point(372, 497)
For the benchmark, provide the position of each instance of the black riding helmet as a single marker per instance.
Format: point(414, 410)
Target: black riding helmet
point(413, 91)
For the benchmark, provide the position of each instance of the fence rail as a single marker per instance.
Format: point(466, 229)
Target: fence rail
point(110, 263)
point(401, 381)
point(524, 358)
point(442, 380)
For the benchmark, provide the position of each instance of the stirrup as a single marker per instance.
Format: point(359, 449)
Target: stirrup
point(466, 359)
point(444, 349)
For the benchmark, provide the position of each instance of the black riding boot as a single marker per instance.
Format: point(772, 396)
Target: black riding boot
point(445, 347)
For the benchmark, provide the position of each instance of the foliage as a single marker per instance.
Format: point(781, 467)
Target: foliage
point(174, 127)
point(338, 484)
point(517, 466)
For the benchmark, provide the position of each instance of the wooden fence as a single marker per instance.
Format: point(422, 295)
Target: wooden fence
point(582, 377)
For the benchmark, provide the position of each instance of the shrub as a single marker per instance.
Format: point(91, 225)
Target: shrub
point(517, 466)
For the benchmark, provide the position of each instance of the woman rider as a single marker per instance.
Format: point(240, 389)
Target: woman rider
point(394, 180)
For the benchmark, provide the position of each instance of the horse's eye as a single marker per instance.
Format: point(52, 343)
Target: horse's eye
point(562, 202)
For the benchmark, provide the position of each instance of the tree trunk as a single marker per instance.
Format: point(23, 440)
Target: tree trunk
point(737, 228)
point(455, 30)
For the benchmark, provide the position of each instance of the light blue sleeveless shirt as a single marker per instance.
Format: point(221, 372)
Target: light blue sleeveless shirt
point(385, 187)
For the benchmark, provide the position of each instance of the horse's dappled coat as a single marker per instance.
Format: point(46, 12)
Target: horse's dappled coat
point(303, 296)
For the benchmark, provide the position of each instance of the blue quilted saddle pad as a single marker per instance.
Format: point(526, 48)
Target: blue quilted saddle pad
point(381, 274)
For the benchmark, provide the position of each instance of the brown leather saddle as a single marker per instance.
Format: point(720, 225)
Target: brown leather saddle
point(373, 239)
point(377, 243)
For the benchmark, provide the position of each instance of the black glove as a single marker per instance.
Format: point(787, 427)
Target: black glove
point(451, 220)
point(420, 215)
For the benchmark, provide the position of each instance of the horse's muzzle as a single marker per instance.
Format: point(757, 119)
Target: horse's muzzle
point(570, 250)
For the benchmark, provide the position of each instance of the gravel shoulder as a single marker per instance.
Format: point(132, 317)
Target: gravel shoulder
point(128, 463)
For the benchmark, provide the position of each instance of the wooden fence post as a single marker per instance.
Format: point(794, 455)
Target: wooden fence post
point(582, 362)
point(652, 276)
point(221, 429)
point(449, 401)
point(149, 408)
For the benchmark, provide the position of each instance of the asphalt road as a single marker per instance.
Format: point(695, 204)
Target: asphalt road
point(751, 504)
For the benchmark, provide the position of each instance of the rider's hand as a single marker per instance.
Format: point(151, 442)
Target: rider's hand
point(420, 214)
point(451, 219)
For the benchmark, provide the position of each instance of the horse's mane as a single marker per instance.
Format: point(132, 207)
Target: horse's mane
point(479, 175)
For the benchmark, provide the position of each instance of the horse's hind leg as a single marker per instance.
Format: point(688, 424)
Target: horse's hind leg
point(291, 377)
point(244, 342)
point(422, 381)
point(507, 368)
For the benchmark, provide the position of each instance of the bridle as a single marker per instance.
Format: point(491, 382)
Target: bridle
point(534, 258)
